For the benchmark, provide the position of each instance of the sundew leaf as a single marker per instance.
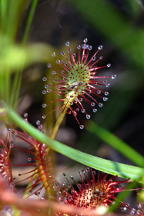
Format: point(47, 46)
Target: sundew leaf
point(107, 166)
point(116, 143)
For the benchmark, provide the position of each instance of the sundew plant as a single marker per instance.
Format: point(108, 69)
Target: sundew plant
point(60, 98)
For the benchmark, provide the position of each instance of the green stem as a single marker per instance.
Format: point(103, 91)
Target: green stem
point(58, 123)
point(107, 166)
point(29, 20)
point(18, 76)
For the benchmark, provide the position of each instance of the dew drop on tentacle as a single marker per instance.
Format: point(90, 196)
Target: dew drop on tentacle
point(58, 61)
point(94, 110)
point(53, 72)
point(67, 43)
point(79, 47)
point(54, 54)
point(105, 98)
point(83, 110)
point(101, 57)
point(113, 76)
point(46, 86)
point(106, 93)
point(25, 116)
point(62, 53)
point(44, 91)
point(85, 46)
point(94, 58)
point(98, 91)
point(85, 40)
point(29, 159)
point(81, 127)
point(43, 116)
point(106, 84)
point(100, 47)
point(90, 47)
point(100, 105)
point(88, 116)
point(40, 127)
point(108, 65)
point(44, 105)
point(77, 109)
point(38, 122)
point(49, 65)
point(44, 79)
point(93, 104)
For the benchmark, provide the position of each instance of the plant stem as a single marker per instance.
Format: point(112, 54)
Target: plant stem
point(29, 20)
point(58, 123)
point(51, 153)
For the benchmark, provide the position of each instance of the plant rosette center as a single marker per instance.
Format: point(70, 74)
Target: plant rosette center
point(77, 81)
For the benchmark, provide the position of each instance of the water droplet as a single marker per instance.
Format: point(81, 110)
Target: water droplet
point(81, 127)
point(100, 47)
point(62, 53)
point(43, 91)
point(94, 110)
point(94, 58)
point(98, 91)
point(43, 116)
point(25, 115)
point(53, 72)
point(77, 109)
point(12, 145)
point(38, 122)
point(106, 93)
point(46, 86)
point(44, 79)
point(48, 90)
point(133, 211)
point(85, 46)
point(107, 85)
point(90, 47)
point(108, 65)
point(124, 208)
point(79, 47)
point(105, 98)
point(40, 127)
point(113, 76)
point(100, 105)
point(85, 40)
point(49, 65)
point(92, 104)
point(88, 116)
point(44, 105)
point(29, 159)
point(53, 54)
point(58, 61)
point(67, 43)
point(83, 110)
